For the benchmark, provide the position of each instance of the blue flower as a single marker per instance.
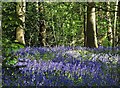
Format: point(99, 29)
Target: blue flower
point(97, 68)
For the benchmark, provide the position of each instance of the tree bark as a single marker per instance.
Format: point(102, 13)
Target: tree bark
point(118, 40)
point(91, 26)
point(119, 9)
point(42, 27)
point(109, 31)
point(20, 8)
point(114, 29)
point(85, 39)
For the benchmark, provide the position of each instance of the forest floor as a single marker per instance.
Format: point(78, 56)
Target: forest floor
point(63, 66)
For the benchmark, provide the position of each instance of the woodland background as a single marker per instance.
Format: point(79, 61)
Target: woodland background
point(78, 42)
point(65, 23)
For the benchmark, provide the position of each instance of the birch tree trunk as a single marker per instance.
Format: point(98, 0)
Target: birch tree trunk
point(114, 30)
point(91, 26)
point(20, 8)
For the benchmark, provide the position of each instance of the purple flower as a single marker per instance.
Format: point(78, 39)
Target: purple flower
point(71, 68)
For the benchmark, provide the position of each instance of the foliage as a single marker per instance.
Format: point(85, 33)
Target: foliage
point(7, 52)
point(57, 66)
point(64, 22)
point(102, 21)
point(32, 24)
point(9, 20)
point(99, 69)
point(9, 23)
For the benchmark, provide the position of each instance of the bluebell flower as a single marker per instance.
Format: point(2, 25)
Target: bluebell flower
point(63, 69)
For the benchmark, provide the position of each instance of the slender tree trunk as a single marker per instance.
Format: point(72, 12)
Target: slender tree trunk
point(85, 39)
point(42, 26)
point(119, 9)
point(109, 32)
point(20, 8)
point(114, 30)
point(91, 26)
point(118, 40)
point(0, 25)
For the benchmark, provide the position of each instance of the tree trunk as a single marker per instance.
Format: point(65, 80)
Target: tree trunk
point(91, 26)
point(119, 9)
point(114, 29)
point(118, 40)
point(0, 24)
point(85, 39)
point(109, 32)
point(42, 27)
point(20, 8)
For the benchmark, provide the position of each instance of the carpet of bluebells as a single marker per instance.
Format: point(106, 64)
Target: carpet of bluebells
point(64, 66)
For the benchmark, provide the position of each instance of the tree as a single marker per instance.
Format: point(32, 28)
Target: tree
point(0, 25)
point(109, 26)
point(0, 15)
point(42, 33)
point(91, 26)
point(20, 8)
point(41, 26)
point(118, 31)
point(119, 8)
point(85, 26)
point(115, 19)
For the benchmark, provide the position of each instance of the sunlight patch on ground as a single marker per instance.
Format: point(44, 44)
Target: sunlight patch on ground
point(76, 53)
